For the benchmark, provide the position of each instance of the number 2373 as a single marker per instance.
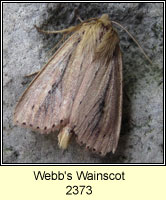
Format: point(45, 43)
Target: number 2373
point(81, 189)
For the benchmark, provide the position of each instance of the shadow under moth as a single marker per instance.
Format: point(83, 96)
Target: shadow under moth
point(79, 90)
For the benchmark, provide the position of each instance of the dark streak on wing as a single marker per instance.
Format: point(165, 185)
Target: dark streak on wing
point(47, 100)
point(93, 130)
point(50, 99)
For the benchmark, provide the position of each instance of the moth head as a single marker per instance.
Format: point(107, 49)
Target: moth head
point(105, 20)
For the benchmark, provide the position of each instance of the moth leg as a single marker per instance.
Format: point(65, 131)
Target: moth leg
point(43, 31)
point(30, 75)
point(64, 137)
point(77, 15)
point(66, 30)
point(79, 18)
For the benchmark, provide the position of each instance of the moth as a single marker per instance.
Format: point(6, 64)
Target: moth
point(79, 90)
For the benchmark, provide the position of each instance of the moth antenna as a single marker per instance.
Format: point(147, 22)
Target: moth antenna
point(133, 40)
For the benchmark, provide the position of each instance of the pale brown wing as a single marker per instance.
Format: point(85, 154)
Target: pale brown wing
point(80, 88)
point(97, 110)
point(46, 104)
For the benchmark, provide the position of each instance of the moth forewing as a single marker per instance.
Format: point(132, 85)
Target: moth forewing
point(96, 113)
point(39, 106)
point(79, 90)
